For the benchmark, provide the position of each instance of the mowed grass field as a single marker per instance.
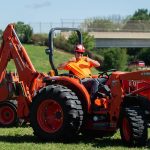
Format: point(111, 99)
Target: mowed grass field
point(22, 138)
point(39, 58)
point(41, 61)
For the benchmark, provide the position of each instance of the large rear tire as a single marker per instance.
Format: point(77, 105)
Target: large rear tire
point(56, 113)
point(8, 114)
point(133, 127)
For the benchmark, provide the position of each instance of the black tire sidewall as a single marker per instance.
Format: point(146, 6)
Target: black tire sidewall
point(65, 130)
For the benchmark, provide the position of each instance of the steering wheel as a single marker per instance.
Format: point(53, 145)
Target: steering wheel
point(105, 74)
point(70, 75)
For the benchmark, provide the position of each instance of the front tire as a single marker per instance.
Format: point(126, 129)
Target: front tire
point(133, 127)
point(56, 113)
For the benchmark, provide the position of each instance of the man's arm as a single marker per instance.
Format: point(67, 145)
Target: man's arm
point(63, 65)
point(93, 62)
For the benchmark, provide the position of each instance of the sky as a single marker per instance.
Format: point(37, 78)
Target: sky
point(54, 11)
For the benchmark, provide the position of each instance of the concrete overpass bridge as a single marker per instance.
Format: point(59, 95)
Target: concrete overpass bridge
point(121, 39)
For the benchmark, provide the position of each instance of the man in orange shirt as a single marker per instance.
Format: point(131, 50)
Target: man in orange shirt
point(81, 67)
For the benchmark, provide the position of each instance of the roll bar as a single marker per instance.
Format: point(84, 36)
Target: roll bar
point(50, 50)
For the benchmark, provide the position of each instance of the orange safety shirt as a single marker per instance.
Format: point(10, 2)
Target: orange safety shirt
point(80, 68)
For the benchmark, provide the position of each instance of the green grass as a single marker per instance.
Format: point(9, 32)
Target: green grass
point(41, 61)
point(23, 139)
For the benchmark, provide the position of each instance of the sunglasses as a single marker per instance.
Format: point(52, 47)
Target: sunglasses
point(79, 52)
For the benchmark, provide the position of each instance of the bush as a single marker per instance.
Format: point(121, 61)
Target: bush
point(39, 39)
point(143, 55)
point(24, 32)
point(114, 58)
point(61, 42)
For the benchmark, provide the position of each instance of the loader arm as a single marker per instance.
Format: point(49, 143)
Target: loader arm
point(12, 49)
point(29, 81)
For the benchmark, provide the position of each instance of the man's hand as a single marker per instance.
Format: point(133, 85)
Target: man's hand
point(73, 59)
point(87, 59)
point(93, 62)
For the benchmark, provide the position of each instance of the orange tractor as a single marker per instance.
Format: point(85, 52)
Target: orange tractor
point(58, 106)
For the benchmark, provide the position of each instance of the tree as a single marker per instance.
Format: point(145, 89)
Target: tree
point(143, 55)
point(140, 21)
point(24, 32)
point(88, 40)
point(141, 14)
point(114, 58)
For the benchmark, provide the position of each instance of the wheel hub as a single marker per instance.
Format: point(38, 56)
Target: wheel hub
point(7, 115)
point(50, 115)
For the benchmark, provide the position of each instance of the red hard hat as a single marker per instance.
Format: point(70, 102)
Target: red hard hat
point(79, 48)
